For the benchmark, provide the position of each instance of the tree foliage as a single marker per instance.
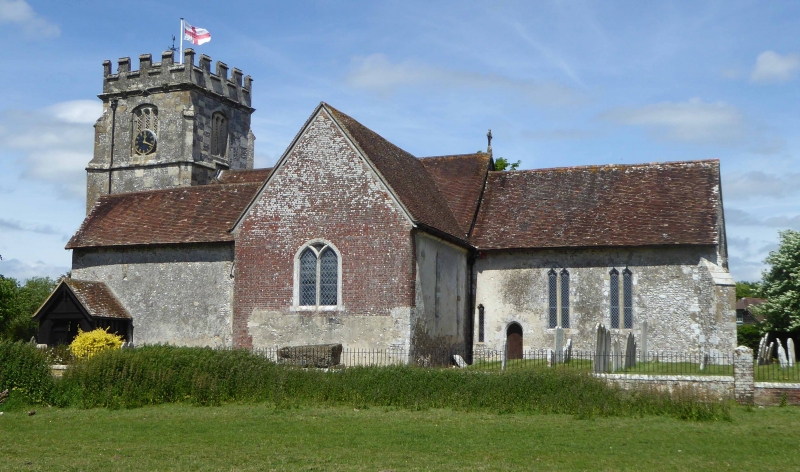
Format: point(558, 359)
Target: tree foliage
point(501, 163)
point(748, 289)
point(18, 303)
point(781, 285)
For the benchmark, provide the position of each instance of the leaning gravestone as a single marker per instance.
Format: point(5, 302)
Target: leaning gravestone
point(643, 341)
point(317, 355)
point(459, 361)
point(602, 352)
point(790, 352)
point(630, 352)
point(762, 345)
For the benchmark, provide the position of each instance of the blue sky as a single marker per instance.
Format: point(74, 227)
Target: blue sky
point(559, 83)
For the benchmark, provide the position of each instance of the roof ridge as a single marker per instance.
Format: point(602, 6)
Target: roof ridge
point(608, 166)
point(455, 155)
point(176, 189)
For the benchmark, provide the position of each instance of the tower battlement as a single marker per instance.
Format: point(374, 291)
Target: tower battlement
point(167, 75)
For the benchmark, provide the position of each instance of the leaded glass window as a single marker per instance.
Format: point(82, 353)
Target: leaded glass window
point(564, 298)
point(480, 323)
point(552, 289)
point(319, 276)
point(614, 298)
point(627, 297)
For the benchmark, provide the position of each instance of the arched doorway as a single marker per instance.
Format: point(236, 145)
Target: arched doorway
point(514, 341)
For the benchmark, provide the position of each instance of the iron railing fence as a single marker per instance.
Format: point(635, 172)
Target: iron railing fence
point(650, 363)
point(775, 372)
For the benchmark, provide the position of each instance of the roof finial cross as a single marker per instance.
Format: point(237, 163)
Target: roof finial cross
point(489, 137)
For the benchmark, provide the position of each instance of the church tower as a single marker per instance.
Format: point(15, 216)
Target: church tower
point(169, 125)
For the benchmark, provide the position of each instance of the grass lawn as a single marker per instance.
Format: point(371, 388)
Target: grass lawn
point(258, 437)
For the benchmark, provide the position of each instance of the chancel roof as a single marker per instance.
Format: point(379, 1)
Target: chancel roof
point(201, 214)
point(616, 205)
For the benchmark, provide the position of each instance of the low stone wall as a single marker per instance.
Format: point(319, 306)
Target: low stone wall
point(712, 385)
point(57, 370)
point(773, 393)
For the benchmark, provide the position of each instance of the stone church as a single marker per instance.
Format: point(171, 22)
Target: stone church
point(350, 239)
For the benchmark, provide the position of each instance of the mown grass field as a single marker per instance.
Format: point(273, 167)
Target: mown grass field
point(261, 437)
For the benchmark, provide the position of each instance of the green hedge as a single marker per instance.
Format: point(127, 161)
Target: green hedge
point(161, 374)
point(25, 372)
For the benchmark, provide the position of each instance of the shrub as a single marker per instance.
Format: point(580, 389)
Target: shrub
point(748, 335)
point(25, 372)
point(87, 344)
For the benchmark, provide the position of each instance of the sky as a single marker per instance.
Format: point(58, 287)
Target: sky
point(559, 83)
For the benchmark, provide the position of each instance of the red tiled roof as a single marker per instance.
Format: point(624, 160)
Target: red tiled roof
point(97, 299)
point(745, 303)
point(180, 215)
point(405, 174)
point(460, 179)
point(244, 176)
point(615, 205)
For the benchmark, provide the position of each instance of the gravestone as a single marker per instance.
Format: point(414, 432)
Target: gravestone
point(559, 345)
point(550, 357)
point(790, 352)
point(602, 352)
point(459, 361)
point(643, 341)
point(567, 351)
point(630, 352)
point(762, 344)
point(317, 355)
point(616, 356)
point(784, 363)
point(702, 359)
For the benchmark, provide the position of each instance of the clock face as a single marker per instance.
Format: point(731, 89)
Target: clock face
point(145, 142)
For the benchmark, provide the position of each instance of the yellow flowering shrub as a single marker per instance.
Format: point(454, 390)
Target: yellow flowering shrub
point(89, 343)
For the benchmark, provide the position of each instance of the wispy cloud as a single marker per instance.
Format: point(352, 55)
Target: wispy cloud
point(736, 217)
point(758, 184)
point(772, 67)
point(693, 121)
point(28, 227)
point(379, 74)
point(32, 24)
point(556, 59)
point(55, 143)
point(23, 270)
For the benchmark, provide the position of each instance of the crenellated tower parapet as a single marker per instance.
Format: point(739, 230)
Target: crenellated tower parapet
point(168, 75)
point(169, 125)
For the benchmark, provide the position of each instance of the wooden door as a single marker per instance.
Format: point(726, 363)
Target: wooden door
point(514, 341)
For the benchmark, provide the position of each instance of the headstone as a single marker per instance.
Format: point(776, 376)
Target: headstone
point(782, 355)
point(643, 341)
point(630, 352)
point(459, 361)
point(559, 345)
point(761, 346)
point(790, 352)
point(602, 352)
point(33, 340)
point(770, 353)
point(702, 359)
point(616, 356)
point(567, 351)
point(550, 357)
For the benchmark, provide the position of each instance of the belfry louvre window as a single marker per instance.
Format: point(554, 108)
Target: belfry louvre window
point(558, 299)
point(219, 134)
point(319, 276)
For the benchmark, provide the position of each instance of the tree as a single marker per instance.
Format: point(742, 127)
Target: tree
point(19, 303)
point(781, 285)
point(748, 289)
point(503, 164)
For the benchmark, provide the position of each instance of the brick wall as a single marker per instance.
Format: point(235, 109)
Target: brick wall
point(324, 189)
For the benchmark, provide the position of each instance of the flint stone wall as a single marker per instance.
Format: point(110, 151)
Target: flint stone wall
point(177, 295)
point(713, 386)
point(677, 290)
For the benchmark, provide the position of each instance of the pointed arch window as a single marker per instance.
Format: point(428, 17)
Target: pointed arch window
point(627, 298)
point(613, 297)
point(558, 299)
point(318, 272)
point(219, 134)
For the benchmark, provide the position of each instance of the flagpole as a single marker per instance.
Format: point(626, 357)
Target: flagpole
point(182, 33)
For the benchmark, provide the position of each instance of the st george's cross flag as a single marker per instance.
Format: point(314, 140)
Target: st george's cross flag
point(195, 35)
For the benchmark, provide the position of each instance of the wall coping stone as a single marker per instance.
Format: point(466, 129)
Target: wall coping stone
point(668, 378)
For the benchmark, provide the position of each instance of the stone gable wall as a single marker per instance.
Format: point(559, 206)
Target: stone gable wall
point(324, 190)
point(672, 289)
point(181, 295)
